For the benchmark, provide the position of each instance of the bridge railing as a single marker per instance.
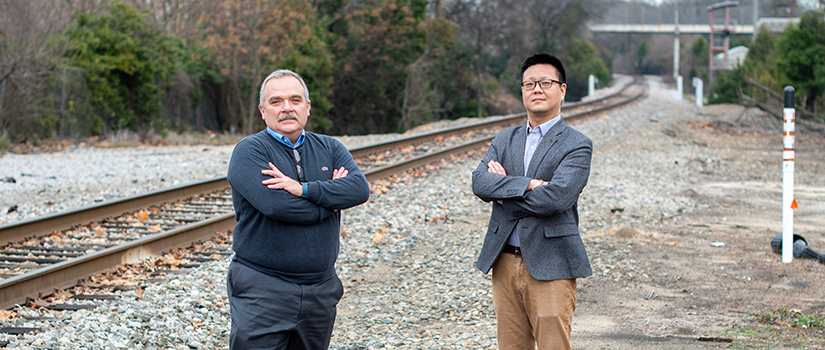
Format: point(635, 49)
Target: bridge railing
point(776, 25)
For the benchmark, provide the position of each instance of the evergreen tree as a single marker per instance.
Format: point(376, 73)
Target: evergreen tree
point(125, 63)
point(801, 53)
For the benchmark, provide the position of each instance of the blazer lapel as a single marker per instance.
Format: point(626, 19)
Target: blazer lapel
point(548, 141)
point(517, 152)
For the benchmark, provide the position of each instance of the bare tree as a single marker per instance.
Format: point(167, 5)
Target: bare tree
point(481, 22)
point(418, 94)
point(250, 36)
point(27, 58)
point(552, 23)
point(175, 16)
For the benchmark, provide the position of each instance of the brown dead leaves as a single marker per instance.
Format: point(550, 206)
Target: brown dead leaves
point(378, 236)
point(143, 215)
point(6, 315)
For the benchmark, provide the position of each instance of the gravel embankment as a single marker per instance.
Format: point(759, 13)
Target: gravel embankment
point(407, 256)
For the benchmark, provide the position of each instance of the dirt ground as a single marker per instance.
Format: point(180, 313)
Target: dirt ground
point(712, 280)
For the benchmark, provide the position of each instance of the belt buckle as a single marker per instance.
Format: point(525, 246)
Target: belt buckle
point(513, 250)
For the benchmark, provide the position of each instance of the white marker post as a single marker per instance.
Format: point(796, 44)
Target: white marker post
point(591, 84)
point(788, 202)
point(679, 88)
point(697, 83)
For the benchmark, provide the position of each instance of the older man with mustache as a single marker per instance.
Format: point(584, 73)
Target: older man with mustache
point(288, 187)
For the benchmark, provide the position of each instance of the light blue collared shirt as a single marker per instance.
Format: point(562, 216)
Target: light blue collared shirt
point(285, 140)
point(534, 138)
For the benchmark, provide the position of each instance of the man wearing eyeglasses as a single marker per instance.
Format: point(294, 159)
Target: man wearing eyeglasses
point(288, 187)
point(533, 174)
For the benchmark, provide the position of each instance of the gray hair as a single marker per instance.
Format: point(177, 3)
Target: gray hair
point(280, 74)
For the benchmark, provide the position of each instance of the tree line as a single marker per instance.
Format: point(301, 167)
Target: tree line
point(81, 68)
point(794, 58)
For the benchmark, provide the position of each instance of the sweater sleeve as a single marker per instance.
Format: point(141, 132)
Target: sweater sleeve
point(244, 175)
point(342, 193)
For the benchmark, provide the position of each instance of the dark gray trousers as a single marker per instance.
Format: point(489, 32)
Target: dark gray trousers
point(270, 313)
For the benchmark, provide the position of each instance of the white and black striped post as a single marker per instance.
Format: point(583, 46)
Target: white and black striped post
point(788, 201)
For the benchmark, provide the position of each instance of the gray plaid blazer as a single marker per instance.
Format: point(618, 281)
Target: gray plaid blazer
point(547, 216)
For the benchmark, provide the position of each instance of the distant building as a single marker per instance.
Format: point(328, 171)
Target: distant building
point(776, 25)
point(736, 56)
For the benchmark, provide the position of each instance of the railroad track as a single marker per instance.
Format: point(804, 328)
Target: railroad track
point(45, 254)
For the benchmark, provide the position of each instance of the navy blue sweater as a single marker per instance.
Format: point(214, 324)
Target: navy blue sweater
point(279, 234)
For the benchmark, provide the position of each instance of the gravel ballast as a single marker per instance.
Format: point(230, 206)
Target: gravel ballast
point(407, 256)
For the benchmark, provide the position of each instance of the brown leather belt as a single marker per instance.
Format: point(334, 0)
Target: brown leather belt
point(512, 250)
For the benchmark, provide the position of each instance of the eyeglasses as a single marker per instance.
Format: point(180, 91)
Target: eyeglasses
point(298, 165)
point(545, 84)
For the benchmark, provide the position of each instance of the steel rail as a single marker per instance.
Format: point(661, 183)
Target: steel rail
point(39, 226)
point(484, 124)
point(424, 159)
point(18, 289)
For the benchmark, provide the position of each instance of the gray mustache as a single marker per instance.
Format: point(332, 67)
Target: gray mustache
point(288, 116)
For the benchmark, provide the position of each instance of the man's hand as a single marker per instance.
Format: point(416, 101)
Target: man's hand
point(496, 168)
point(279, 181)
point(535, 183)
point(339, 173)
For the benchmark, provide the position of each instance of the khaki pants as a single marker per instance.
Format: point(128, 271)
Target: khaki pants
point(530, 312)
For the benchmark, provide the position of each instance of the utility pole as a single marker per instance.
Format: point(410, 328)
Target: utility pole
point(676, 44)
point(724, 32)
point(755, 18)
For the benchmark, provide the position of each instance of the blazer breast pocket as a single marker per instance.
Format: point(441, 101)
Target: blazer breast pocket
point(560, 231)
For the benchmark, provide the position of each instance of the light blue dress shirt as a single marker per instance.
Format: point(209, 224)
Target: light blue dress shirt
point(285, 140)
point(534, 138)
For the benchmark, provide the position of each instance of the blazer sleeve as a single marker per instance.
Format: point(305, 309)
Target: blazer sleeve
point(489, 186)
point(565, 184)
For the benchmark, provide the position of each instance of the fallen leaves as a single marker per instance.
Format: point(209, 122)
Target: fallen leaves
point(377, 237)
point(171, 262)
point(6, 315)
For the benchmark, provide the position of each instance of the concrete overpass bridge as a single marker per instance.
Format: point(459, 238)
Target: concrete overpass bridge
point(776, 25)
point(664, 28)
